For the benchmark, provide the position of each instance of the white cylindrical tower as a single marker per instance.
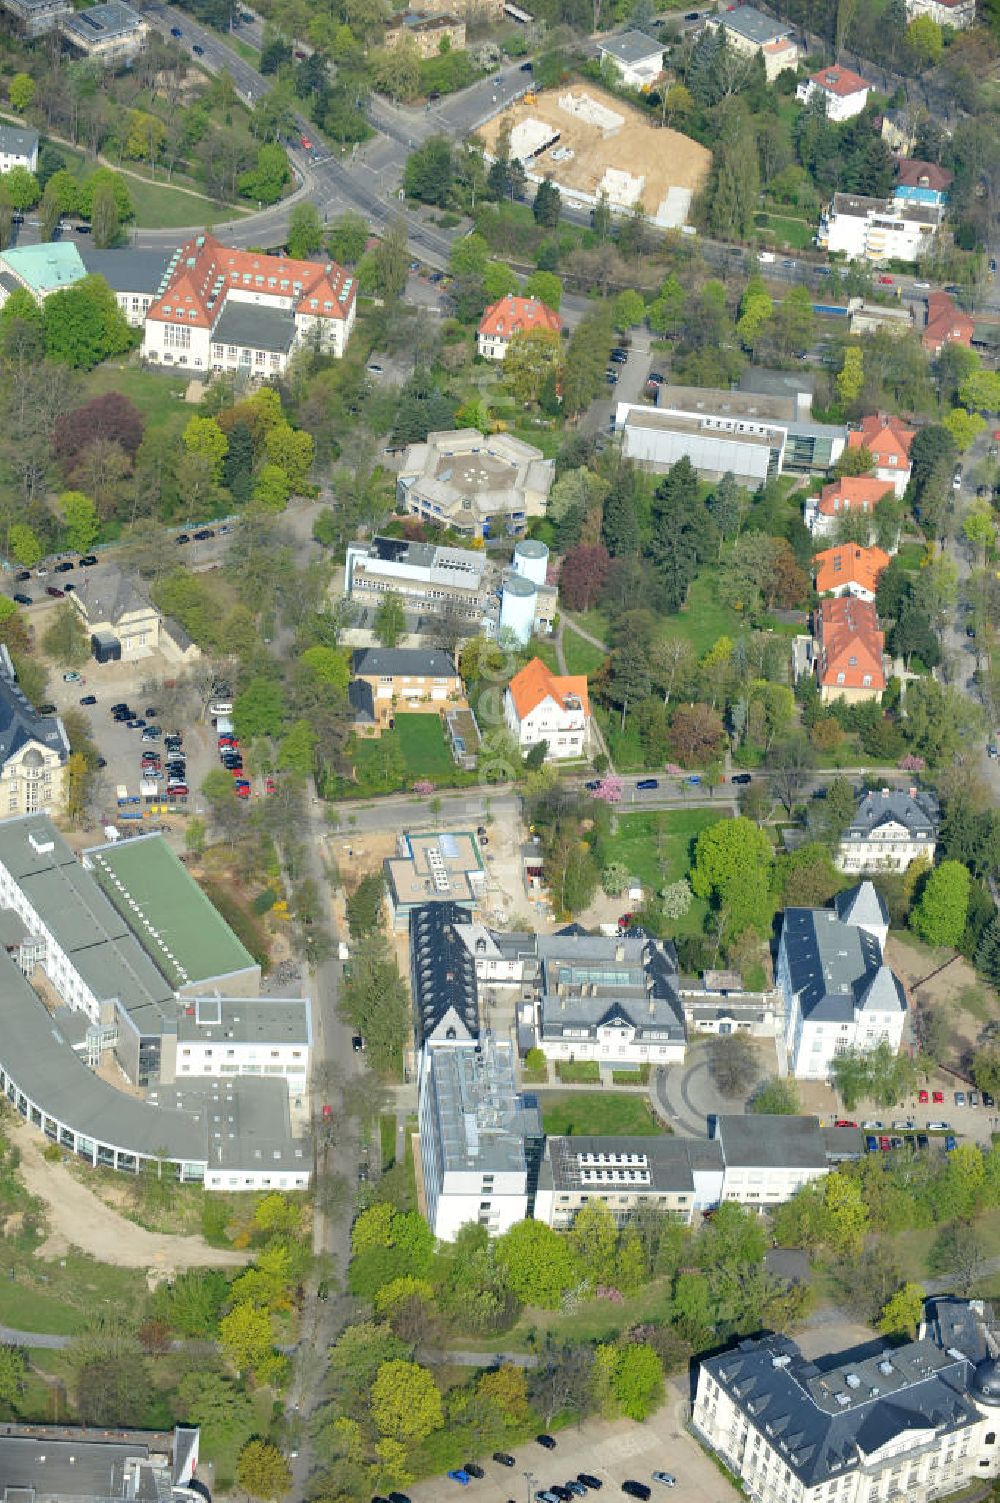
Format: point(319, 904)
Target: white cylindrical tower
point(531, 560)
point(517, 606)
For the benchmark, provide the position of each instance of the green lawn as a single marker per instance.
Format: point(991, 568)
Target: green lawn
point(586, 1113)
point(159, 207)
point(581, 656)
point(63, 1297)
point(425, 751)
point(549, 440)
point(704, 618)
point(796, 233)
point(656, 846)
point(157, 395)
point(596, 622)
point(910, 555)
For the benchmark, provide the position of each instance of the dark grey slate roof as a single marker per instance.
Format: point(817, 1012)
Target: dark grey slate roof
point(754, 25)
point(255, 327)
point(589, 981)
point(401, 662)
point(128, 269)
point(762, 1142)
point(918, 813)
point(631, 47)
point(19, 722)
point(442, 975)
point(108, 593)
point(664, 1164)
point(362, 699)
point(862, 905)
point(824, 1420)
point(835, 967)
point(17, 140)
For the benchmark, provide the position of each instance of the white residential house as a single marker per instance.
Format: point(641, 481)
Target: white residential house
point(18, 147)
point(845, 93)
point(637, 58)
point(891, 828)
point(768, 1159)
point(544, 706)
point(749, 32)
point(839, 993)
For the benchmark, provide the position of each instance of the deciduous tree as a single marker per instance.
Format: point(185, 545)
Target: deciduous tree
point(940, 912)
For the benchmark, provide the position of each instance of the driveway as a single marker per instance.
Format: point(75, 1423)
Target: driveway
point(612, 1450)
point(685, 1095)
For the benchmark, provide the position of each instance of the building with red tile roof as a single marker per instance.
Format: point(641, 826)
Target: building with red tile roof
point(849, 570)
point(225, 309)
point(512, 315)
point(852, 493)
point(849, 649)
point(946, 324)
point(845, 93)
point(888, 440)
point(544, 706)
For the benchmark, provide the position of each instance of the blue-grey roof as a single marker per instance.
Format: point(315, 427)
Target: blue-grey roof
point(918, 813)
point(825, 1419)
point(128, 269)
point(20, 724)
point(863, 905)
point(771, 1142)
point(18, 140)
point(252, 326)
point(591, 982)
point(835, 967)
point(631, 47)
point(665, 1164)
point(754, 25)
point(111, 19)
point(442, 975)
point(362, 701)
point(401, 662)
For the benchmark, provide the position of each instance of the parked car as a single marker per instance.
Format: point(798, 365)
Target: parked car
point(198, 50)
point(89, 699)
point(885, 281)
point(636, 1489)
point(937, 1097)
point(884, 1144)
point(182, 537)
point(23, 599)
point(64, 567)
point(923, 1141)
point(55, 592)
point(88, 560)
point(667, 1478)
point(589, 1480)
point(988, 1099)
point(959, 1098)
point(923, 1097)
point(844, 1122)
point(647, 785)
point(546, 1442)
point(871, 1144)
point(473, 1468)
point(203, 534)
point(939, 1127)
point(22, 575)
point(358, 1044)
point(527, 68)
point(562, 1493)
point(136, 725)
point(576, 1488)
point(742, 777)
point(873, 1125)
point(949, 1144)
point(459, 1476)
point(175, 31)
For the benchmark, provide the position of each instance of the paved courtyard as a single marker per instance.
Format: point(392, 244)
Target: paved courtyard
point(612, 1450)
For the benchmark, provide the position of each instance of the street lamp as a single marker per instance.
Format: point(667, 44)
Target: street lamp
point(531, 1480)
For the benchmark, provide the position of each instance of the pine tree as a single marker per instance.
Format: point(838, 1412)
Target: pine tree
point(237, 467)
point(988, 953)
point(620, 525)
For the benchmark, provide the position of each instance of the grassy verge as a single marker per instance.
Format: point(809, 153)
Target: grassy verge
point(62, 1297)
point(240, 919)
point(159, 397)
point(570, 1114)
point(796, 233)
point(425, 751)
point(387, 1139)
point(704, 618)
point(578, 1072)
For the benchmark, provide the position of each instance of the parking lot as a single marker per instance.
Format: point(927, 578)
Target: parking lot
point(122, 748)
point(612, 1450)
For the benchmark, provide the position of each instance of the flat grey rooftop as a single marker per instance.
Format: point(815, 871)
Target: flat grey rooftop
point(752, 24)
point(128, 269)
point(483, 1121)
point(244, 1020)
point(256, 327)
point(760, 1142)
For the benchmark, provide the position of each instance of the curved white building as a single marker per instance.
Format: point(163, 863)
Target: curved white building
point(517, 607)
point(531, 560)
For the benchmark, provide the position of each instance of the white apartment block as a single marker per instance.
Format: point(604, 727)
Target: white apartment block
point(958, 14)
point(878, 229)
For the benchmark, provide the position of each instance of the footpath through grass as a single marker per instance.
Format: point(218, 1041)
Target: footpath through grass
point(576, 1114)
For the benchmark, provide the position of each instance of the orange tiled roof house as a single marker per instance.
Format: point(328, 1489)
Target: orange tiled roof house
point(512, 315)
point(888, 439)
point(849, 649)
point(850, 570)
point(224, 309)
point(853, 493)
point(544, 706)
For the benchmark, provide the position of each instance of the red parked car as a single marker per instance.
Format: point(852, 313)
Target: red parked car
point(923, 1097)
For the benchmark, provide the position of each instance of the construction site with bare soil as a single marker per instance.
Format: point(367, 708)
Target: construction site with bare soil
point(589, 143)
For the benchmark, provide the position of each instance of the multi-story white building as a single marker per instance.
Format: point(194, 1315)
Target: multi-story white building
point(479, 485)
point(240, 1036)
point(111, 33)
point(229, 310)
point(543, 706)
point(878, 229)
point(915, 1420)
point(675, 1176)
point(767, 1160)
point(636, 58)
point(890, 829)
point(611, 1000)
point(839, 993)
point(34, 751)
point(480, 1141)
